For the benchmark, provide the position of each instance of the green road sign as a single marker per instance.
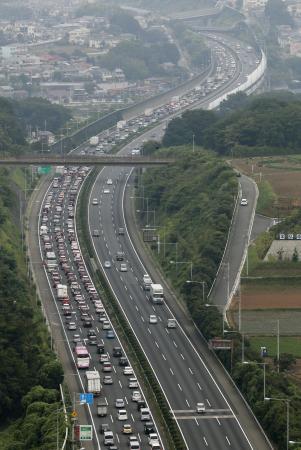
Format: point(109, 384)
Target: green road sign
point(44, 170)
point(85, 433)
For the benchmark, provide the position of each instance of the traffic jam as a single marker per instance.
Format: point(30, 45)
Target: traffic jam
point(121, 416)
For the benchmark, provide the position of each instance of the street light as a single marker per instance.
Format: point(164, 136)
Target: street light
point(287, 401)
point(294, 442)
point(198, 282)
point(264, 377)
point(183, 262)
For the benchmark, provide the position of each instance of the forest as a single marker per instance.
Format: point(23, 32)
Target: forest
point(260, 125)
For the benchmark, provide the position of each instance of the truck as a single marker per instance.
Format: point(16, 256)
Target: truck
point(94, 141)
point(93, 384)
point(59, 170)
point(121, 124)
point(147, 281)
point(61, 291)
point(102, 408)
point(156, 294)
point(148, 112)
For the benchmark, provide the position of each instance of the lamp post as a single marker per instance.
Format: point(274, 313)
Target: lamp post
point(287, 401)
point(183, 262)
point(198, 282)
point(264, 372)
point(193, 136)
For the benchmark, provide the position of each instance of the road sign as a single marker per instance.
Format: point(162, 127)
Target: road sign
point(85, 433)
point(44, 170)
point(86, 398)
point(74, 414)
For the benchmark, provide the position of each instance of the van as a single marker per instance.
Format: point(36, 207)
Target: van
point(144, 414)
point(106, 325)
point(108, 438)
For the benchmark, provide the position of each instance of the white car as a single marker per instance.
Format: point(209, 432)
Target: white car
point(109, 181)
point(200, 408)
point(136, 396)
point(128, 370)
point(107, 264)
point(153, 319)
point(119, 403)
point(133, 383)
point(123, 267)
point(106, 191)
point(72, 326)
point(244, 202)
point(94, 201)
point(122, 415)
point(153, 438)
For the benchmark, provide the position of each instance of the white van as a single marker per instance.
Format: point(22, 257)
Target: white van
point(43, 230)
point(108, 438)
point(145, 414)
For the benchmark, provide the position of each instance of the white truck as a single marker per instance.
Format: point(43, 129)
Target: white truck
point(102, 408)
point(61, 291)
point(147, 281)
point(148, 112)
point(156, 294)
point(93, 384)
point(121, 124)
point(59, 170)
point(94, 140)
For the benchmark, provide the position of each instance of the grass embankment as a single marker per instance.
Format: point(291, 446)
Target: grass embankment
point(291, 344)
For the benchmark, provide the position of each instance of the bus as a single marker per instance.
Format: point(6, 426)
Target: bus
point(82, 357)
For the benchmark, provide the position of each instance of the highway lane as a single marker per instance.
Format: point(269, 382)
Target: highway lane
point(239, 239)
point(182, 374)
point(119, 388)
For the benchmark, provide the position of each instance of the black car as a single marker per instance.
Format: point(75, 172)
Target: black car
point(92, 340)
point(119, 256)
point(87, 323)
point(123, 361)
point(141, 404)
point(117, 351)
point(100, 348)
point(91, 333)
point(149, 428)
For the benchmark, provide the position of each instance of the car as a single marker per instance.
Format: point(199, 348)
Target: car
point(108, 437)
point(91, 333)
point(104, 357)
point(76, 338)
point(123, 361)
point(119, 403)
point(100, 348)
point(109, 181)
point(123, 267)
point(149, 428)
point(119, 256)
point(87, 323)
point(133, 383)
point(145, 414)
point(92, 340)
point(121, 231)
point(107, 379)
point(244, 202)
point(140, 404)
point(128, 370)
point(127, 428)
point(153, 319)
point(106, 191)
point(134, 445)
point(136, 396)
point(110, 334)
point(200, 408)
point(95, 201)
point(117, 351)
point(107, 264)
point(106, 325)
point(96, 233)
point(107, 366)
point(103, 428)
point(72, 326)
point(153, 438)
point(122, 414)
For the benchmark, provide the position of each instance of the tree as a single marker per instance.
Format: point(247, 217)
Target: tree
point(286, 361)
point(276, 11)
point(295, 257)
point(51, 375)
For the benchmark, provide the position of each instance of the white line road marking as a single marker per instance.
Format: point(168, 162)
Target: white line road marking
point(163, 356)
point(126, 400)
point(206, 443)
point(149, 331)
point(199, 386)
point(166, 330)
point(157, 344)
point(180, 387)
point(187, 403)
point(228, 440)
point(190, 370)
point(112, 420)
point(208, 402)
point(171, 371)
point(142, 319)
point(114, 369)
point(182, 356)
point(131, 297)
point(139, 437)
point(125, 287)
point(174, 343)
point(137, 309)
point(120, 384)
point(197, 422)
point(218, 421)
point(133, 419)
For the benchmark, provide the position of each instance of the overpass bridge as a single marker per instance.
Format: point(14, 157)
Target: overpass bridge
point(83, 160)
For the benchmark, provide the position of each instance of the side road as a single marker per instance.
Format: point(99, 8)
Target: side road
point(240, 407)
point(58, 340)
